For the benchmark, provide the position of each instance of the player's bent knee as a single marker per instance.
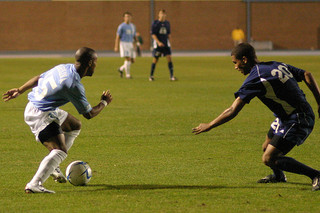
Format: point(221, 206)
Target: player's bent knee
point(71, 123)
point(77, 125)
point(56, 142)
point(267, 160)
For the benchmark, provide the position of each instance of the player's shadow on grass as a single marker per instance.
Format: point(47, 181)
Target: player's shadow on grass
point(150, 187)
point(104, 187)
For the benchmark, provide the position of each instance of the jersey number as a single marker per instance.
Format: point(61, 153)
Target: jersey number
point(283, 73)
point(44, 89)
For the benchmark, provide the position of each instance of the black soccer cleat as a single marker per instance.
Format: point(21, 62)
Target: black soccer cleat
point(316, 183)
point(120, 72)
point(272, 179)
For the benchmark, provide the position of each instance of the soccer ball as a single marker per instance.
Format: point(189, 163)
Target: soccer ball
point(78, 173)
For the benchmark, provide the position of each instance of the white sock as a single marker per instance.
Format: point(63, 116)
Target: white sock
point(127, 68)
point(47, 165)
point(70, 137)
point(123, 66)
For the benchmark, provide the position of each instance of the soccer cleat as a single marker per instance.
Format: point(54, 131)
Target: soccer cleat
point(36, 189)
point(272, 179)
point(173, 79)
point(58, 176)
point(316, 183)
point(151, 78)
point(120, 72)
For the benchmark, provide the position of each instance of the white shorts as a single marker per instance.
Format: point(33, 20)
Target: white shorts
point(127, 50)
point(38, 120)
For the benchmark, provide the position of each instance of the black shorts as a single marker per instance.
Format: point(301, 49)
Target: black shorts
point(50, 131)
point(280, 143)
point(161, 51)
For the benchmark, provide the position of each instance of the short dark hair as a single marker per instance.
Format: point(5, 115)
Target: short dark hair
point(244, 49)
point(85, 54)
point(126, 13)
point(162, 10)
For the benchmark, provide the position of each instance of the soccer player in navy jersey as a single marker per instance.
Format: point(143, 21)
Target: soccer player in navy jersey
point(53, 127)
point(275, 84)
point(160, 32)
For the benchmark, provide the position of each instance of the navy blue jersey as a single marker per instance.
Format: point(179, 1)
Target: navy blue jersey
point(275, 84)
point(162, 31)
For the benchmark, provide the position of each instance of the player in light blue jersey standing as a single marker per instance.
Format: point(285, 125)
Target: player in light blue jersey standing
point(276, 85)
point(125, 37)
point(54, 128)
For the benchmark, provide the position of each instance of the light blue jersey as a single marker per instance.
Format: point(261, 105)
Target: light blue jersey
point(57, 87)
point(126, 32)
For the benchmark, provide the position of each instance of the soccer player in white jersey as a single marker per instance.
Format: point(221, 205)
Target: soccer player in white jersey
point(125, 37)
point(54, 128)
point(276, 85)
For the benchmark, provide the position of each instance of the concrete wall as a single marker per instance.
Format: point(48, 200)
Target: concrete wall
point(196, 25)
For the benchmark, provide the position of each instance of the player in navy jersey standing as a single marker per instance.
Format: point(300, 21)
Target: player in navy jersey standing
point(275, 84)
point(160, 32)
point(53, 127)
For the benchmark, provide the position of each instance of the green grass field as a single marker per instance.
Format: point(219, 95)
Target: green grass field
point(141, 150)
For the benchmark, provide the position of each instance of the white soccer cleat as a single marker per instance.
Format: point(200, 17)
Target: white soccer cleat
point(36, 189)
point(173, 79)
point(58, 176)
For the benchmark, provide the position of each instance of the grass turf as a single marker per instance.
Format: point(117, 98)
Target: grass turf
point(141, 150)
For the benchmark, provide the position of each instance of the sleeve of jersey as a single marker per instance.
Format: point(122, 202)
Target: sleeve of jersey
point(297, 73)
point(78, 98)
point(119, 30)
point(169, 29)
point(153, 29)
point(248, 91)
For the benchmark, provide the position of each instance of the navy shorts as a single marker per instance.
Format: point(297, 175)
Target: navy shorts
point(295, 129)
point(161, 51)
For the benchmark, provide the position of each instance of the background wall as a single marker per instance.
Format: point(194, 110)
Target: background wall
point(196, 25)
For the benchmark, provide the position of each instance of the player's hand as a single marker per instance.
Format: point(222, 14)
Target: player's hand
point(106, 96)
point(116, 49)
point(160, 44)
point(10, 94)
point(203, 127)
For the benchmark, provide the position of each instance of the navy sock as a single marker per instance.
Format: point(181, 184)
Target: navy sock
point(170, 65)
point(278, 173)
point(291, 165)
point(153, 66)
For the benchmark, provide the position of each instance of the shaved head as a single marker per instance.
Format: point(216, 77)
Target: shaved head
point(85, 54)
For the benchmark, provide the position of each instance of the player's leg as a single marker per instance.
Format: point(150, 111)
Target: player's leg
point(127, 67)
point(278, 175)
point(71, 128)
point(170, 66)
point(274, 157)
point(53, 139)
point(122, 55)
point(153, 67)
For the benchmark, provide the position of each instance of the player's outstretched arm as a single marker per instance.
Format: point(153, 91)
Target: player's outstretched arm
point(313, 86)
point(224, 117)
point(106, 99)
point(15, 92)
